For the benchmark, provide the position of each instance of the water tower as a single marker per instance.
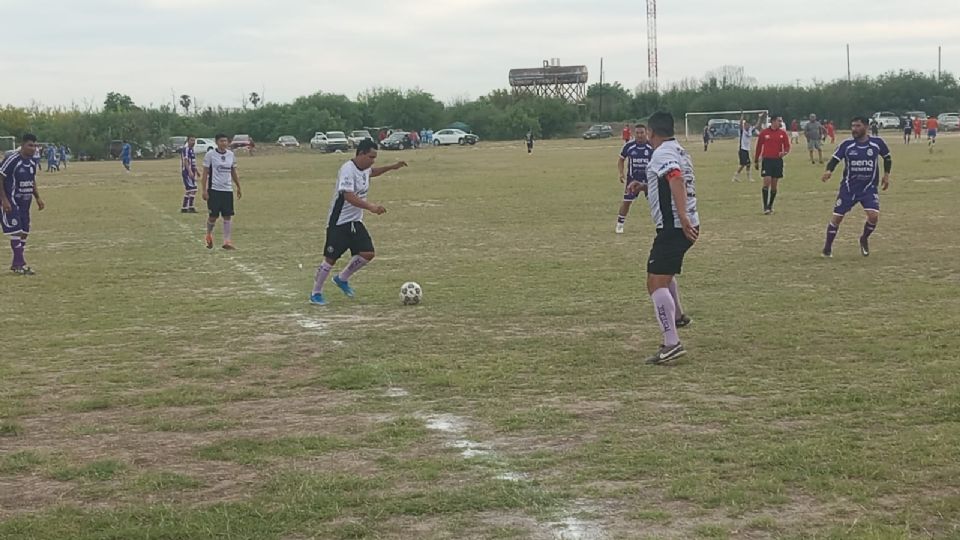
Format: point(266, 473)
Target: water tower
point(568, 83)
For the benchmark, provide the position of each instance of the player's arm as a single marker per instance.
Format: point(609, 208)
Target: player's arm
point(377, 171)
point(36, 195)
point(786, 145)
point(4, 200)
point(236, 181)
point(678, 188)
point(355, 200)
point(205, 180)
point(620, 163)
point(756, 155)
point(887, 167)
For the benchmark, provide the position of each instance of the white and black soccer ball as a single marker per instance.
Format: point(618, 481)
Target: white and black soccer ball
point(411, 294)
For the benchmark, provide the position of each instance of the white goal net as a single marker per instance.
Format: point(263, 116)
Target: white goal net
point(721, 124)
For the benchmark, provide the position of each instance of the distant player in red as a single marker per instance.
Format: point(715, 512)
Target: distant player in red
point(772, 144)
point(916, 127)
point(831, 131)
point(932, 126)
point(794, 131)
point(625, 134)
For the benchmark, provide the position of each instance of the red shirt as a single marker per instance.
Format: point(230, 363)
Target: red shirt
point(794, 126)
point(830, 129)
point(932, 123)
point(771, 143)
point(916, 125)
point(626, 133)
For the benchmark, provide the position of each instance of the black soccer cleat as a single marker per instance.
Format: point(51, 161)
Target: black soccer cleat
point(666, 354)
point(683, 320)
point(864, 247)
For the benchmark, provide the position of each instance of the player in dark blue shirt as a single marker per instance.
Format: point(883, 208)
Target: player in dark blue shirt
point(188, 172)
point(635, 155)
point(125, 156)
point(19, 175)
point(862, 155)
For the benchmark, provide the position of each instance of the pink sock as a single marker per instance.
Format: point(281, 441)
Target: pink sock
point(227, 230)
point(356, 263)
point(666, 313)
point(323, 271)
point(675, 293)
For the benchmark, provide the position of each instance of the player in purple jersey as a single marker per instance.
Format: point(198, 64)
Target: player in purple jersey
point(635, 154)
point(188, 172)
point(861, 179)
point(19, 175)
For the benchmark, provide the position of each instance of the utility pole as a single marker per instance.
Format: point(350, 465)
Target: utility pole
point(652, 62)
point(600, 92)
point(849, 78)
point(939, 60)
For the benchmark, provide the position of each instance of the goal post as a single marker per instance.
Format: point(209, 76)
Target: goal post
point(694, 115)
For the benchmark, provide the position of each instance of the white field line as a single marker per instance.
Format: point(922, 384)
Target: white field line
point(569, 527)
point(307, 322)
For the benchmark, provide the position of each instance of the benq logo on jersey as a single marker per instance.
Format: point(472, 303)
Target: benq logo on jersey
point(861, 163)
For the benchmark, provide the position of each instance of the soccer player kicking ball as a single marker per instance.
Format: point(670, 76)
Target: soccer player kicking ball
point(636, 154)
point(772, 145)
point(861, 176)
point(219, 177)
point(345, 228)
point(671, 194)
point(19, 175)
point(188, 172)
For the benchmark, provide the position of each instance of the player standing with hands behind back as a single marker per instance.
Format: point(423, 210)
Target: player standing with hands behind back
point(671, 194)
point(345, 229)
point(219, 177)
point(772, 145)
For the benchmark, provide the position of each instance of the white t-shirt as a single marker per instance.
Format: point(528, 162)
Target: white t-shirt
point(663, 209)
point(746, 137)
point(220, 167)
point(350, 179)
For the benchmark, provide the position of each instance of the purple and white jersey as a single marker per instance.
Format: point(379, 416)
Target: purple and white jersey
point(19, 177)
point(188, 159)
point(861, 170)
point(638, 156)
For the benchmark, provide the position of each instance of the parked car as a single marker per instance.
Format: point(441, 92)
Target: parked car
point(318, 140)
point(174, 144)
point(288, 141)
point(722, 128)
point(886, 119)
point(398, 140)
point(598, 131)
point(337, 140)
point(949, 121)
point(241, 141)
point(454, 136)
point(358, 135)
point(917, 114)
point(204, 145)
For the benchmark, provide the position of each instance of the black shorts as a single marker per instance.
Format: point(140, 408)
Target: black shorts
point(772, 167)
point(220, 203)
point(744, 157)
point(666, 255)
point(352, 236)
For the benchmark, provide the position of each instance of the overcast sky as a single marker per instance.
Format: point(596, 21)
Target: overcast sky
point(59, 52)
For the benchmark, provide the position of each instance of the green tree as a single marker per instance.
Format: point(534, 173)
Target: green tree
point(116, 102)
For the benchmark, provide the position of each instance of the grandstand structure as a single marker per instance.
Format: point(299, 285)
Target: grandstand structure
point(568, 83)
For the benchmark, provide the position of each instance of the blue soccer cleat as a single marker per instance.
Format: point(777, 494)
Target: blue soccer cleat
point(343, 285)
point(317, 299)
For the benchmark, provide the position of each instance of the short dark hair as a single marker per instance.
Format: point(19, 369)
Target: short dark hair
point(191, 136)
point(862, 119)
point(365, 146)
point(638, 126)
point(221, 136)
point(29, 137)
point(661, 124)
point(775, 116)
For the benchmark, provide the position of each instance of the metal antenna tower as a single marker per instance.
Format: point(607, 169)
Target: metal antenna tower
point(652, 43)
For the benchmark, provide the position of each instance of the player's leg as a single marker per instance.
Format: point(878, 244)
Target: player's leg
point(665, 262)
point(336, 244)
point(765, 192)
point(682, 318)
point(628, 199)
point(361, 247)
point(213, 206)
point(227, 213)
point(871, 206)
point(774, 183)
point(845, 202)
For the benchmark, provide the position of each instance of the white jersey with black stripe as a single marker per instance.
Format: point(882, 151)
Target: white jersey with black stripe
point(350, 179)
point(668, 157)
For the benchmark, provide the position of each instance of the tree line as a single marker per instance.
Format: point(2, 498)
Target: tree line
point(500, 115)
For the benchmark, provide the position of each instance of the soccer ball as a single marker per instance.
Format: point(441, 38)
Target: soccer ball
point(411, 294)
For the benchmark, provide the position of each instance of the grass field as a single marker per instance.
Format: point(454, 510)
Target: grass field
point(151, 388)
